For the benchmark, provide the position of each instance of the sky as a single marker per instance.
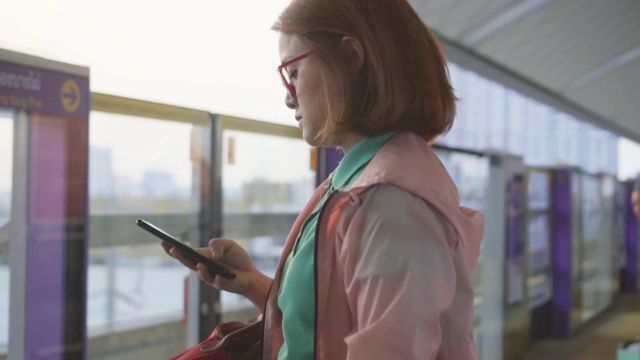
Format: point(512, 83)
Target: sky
point(214, 55)
point(219, 56)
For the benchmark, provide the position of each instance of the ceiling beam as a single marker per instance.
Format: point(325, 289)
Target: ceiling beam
point(511, 15)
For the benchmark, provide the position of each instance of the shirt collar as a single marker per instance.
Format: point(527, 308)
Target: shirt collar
point(356, 160)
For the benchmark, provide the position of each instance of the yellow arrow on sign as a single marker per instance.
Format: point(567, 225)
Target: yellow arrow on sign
point(70, 96)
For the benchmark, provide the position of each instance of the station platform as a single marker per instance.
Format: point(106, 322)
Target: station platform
point(598, 339)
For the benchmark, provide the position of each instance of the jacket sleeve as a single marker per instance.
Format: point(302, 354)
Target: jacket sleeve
point(399, 276)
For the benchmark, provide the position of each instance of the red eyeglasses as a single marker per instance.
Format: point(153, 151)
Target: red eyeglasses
point(282, 68)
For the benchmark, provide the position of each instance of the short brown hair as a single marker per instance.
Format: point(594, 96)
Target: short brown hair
point(403, 84)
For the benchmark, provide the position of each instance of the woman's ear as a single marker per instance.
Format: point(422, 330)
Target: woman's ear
point(354, 49)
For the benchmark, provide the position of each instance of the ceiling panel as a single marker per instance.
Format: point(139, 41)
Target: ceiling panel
point(584, 50)
point(565, 40)
point(629, 116)
point(455, 18)
point(612, 94)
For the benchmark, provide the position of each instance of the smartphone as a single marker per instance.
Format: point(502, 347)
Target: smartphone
point(213, 266)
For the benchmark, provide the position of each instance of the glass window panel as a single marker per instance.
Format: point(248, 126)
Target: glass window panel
point(562, 136)
point(133, 285)
point(573, 143)
point(583, 147)
point(6, 177)
point(538, 236)
point(470, 174)
point(539, 242)
point(591, 149)
point(459, 80)
point(497, 120)
point(591, 224)
point(139, 167)
point(516, 130)
point(606, 245)
point(539, 145)
point(492, 116)
point(538, 191)
point(476, 102)
point(266, 181)
point(600, 150)
point(136, 164)
point(612, 160)
point(455, 72)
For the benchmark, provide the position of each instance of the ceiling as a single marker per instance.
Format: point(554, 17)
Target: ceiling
point(582, 56)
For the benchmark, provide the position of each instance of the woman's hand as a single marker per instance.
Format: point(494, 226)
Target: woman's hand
point(249, 281)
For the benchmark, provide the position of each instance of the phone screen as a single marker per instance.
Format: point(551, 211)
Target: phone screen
point(213, 266)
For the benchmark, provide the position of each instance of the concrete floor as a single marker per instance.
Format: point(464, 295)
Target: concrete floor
point(598, 339)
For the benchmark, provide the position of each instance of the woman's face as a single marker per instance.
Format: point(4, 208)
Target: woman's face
point(313, 91)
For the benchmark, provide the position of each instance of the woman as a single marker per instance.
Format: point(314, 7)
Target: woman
point(377, 264)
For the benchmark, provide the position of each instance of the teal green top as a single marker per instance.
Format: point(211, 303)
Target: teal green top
point(297, 291)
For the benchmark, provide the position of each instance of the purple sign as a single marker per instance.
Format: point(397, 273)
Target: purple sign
point(57, 239)
point(43, 91)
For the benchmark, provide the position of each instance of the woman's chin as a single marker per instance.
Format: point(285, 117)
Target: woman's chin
point(310, 138)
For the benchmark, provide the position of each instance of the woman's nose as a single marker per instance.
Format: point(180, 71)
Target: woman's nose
point(290, 101)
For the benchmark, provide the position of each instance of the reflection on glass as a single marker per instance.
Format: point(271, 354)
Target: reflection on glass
point(144, 168)
point(6, 173)
point(266, 181)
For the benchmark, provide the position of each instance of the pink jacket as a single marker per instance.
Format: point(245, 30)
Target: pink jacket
point(393, 258)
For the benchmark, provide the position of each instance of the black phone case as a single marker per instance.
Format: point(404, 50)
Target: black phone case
point(213, 266)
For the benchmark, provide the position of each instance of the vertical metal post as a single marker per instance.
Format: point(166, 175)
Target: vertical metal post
point(204, 301)
point(493, 255)
point(499, 340)
point(19, 229)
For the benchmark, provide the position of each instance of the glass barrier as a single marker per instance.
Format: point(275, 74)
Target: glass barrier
point(470, 174)
point(576, 250)
point(138, 167)
point(607, 248)
point(620, 224)
point(591, 225)
point(266, 181)
point(539, 238)
point(6, 176)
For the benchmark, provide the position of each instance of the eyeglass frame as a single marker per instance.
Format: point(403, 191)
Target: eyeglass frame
point(282, 68)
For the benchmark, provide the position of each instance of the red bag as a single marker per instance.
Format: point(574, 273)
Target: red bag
point(233, 340)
